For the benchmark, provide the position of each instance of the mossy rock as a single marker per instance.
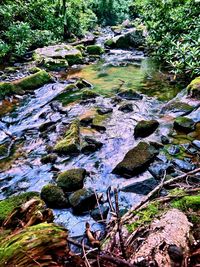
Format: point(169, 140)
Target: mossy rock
point(89, 94)
point(98, 122)
point(55, 64)
point(82, 200)
point(54, 196)
point(80, 47)
point(71, 142)
point(51, 158)
point(136, 160)
point(3, 150)
point(145, 128)
point(188, 202)
point(34, 70)
point(130, 94)
point(177, 106)
point(7, 89)
point(71, 180)
point(34, 246)
point(194, 88)
point(184, 124)
point(71, 88)
point(94, 50)
point(9, 204)
point(33, 81)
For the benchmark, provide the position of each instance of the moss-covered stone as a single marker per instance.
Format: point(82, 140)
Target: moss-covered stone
point(194, 88)
point(98, 122)
point(54, 196)
point(3, 150)
point(51, 158)
point(145, 128)
point(33, 81)
point(71, 142)
point(7, 89)
point(136, 160)
point(130, 94)
point(9, 204)
point(71, 180)
point(82, 200)
point(94, 50)
point(55, 64)
point(88, 94)
point(187, 202)
point(177, 106)
point(184, 124)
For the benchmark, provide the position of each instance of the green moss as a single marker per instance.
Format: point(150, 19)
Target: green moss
point(194, 88)
point(80, 47)
point(184, 124)
point(74, 58)
point(94, 50)
point(145, 128)
point(7, 205)
point(3, 150)
point(177, 192)
point(109, 43)
point(33, 81)
point(187, 202)
point(6, 89)
point(71, 142)
point(88, 94)
point(71, 180)
point(144, 217)
point(34, 70)
point(55, 64)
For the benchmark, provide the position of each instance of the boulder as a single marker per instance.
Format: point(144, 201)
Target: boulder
point(54, 196)
point(90, 145)
point(71, 180)
point(71, 142)
point(177, 107)
point(98, 123)
point(82, 200)
point(88, 94)
point(103, 111)
point(61, 51)
point(126, 108)
point(194, 88)
point(136, 160)
point(145, 128)
point(94, 50)
point(184, 124)
point(100, 212)
point(51, 158)
point(130, 95)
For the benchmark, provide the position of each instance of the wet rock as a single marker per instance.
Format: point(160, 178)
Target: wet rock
point(136, 160)
point(71, 142)
point(51, 158)
point(177, 107)
point(145, 128)
point(158, 169)
point(82, 200)
point(173, 150)
point(57, 107)
point(165, 140)
point(44, 127)
point(183, 165)
point(94, 50)
point(71, 180)
point(126, 108)
point(103, 111)
point(184, 124)
point(142, 187)
point(61, 51)
point(194, 88)
point(87, 101)
point(130, 95)
point(55, 64)
point(54, 196)
point(196, 143)
point(86, 121)
point(90, 145)
point(97, 214)
point(116, 100)
point(88, 94)
point(98, 123)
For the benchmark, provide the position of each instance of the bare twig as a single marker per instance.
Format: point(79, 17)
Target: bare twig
point(84, 255)
point(109, 200)
point(98, 205)
point(119, 262)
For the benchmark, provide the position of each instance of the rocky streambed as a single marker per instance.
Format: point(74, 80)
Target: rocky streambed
point(102, 117)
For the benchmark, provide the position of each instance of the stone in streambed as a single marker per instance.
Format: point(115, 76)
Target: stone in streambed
point(183, 165)
point(54, 196)
point(173, 150)
point(126, 108)
point(177, 107)
point(90, 145)
point(104, 111)
point(130, 95)
point(97, 214)
point(71, 180)
point(82, 200)
point(184, 124)
point(196, 143)
point(44, 127)
point(158, 169)
point(51, 158)
point(94, 50)
point(194, 88)
point(88, 94)
point(136, 160)
point(145, 128)
point(98, 123)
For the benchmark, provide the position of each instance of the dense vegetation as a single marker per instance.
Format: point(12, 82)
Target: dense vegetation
point(173, 26)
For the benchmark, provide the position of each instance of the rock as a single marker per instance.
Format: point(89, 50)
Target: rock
point(131, 38)
point(71, 180)
point(55, 64)
point(98, 123)
point(136, 160)
point(51, 158)
point(194, 88)
point(158, 169)
point(88, 94)
point(103, 111)
point(90, 145)
point(61, 51)
point(71, 142)
point(44, 127)
point(116, 100)
point(184, 124)
point(54, 196)
point(142, 187)
point(86, 121)
point(7, 89)
point(130, 95)
point(145, 128)
point(82, 200)
point(173, 150)
point(177, 107)
point(196, 143)
point(183, 165)
point(97, 214)
point(165, 140)
point(94, 50)
point(126, 108)
point(9, 204)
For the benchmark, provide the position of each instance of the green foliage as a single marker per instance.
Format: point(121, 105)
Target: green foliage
point(173, 32)
point(187, 202)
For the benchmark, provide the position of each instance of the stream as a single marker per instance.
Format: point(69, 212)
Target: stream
point(23, 171)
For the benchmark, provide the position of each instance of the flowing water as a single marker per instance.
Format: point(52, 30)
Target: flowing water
point(118, 69)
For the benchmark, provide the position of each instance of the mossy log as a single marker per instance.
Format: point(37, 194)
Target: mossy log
point(39, 245)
